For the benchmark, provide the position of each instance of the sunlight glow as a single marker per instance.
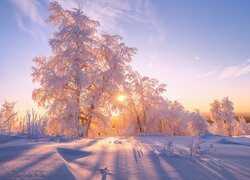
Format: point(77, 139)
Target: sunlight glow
point(121, 98)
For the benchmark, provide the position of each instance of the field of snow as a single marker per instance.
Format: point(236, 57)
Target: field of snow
point(142, 157)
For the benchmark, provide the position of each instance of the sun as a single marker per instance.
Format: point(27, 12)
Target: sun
point(121, 98)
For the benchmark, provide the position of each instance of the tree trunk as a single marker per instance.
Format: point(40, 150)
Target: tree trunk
point(87, 126)
point(139, 124)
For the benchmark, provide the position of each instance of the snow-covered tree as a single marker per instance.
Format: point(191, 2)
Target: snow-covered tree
point(80, 81)
point(197, 123)
point(8, 117)
point(82, 73)
point(237, 128)
point(65, 74)
point(215, 111)
point(177, 120)
point(228, 114)
point(218, 126)
point(244, 127)
point(113, 59)
point(145, 102)
point(223, 117)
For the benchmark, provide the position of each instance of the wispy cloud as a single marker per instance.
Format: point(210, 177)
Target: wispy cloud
point(35, 32)
point(213, 71)
point(210, 73)
point(111, 13)
point(158, 32)
point(29, 8)
point(29, 17)
point(108, 12)
point(236, 70)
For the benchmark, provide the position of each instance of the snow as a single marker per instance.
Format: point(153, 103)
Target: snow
point(141, 157)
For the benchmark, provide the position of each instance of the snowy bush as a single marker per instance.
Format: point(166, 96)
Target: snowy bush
point(169, 148)
point(35, 126)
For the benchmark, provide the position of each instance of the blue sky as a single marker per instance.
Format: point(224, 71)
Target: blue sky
point(200, 49)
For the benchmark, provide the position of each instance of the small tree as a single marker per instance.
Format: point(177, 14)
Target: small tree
point(7, 118)
point(223, 117)
point(198, 125)
point(177, 119)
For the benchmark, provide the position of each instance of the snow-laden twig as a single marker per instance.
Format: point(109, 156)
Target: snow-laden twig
point(195, 146)
point(169, 148)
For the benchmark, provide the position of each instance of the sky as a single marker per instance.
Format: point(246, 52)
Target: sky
point(200, 49)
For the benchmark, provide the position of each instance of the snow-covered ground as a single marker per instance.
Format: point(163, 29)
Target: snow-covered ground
point(142, 157)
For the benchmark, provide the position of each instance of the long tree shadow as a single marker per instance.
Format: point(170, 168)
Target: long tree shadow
point(26, 166)
point(8, 153)
point(120, 164)
point(130, 163)
point(190, 168)
point(159, 170)
point(96, 168)
point(228, 142)
point(225, 168)
point(17, 171)
point(93, 167)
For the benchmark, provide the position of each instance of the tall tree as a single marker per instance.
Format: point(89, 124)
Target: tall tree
point(83, 70)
